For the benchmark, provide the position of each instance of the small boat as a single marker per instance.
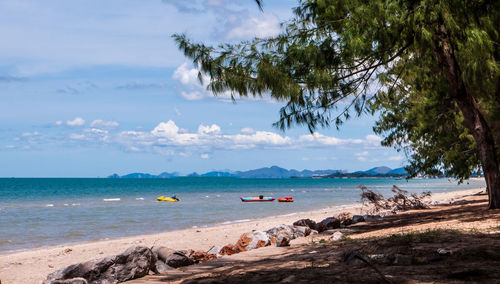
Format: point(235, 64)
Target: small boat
point(286, 199)
point(170, 199)
point(256, 199)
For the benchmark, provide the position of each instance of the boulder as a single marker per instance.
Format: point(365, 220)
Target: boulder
point(371, 218)
point(215, 250)
point(77, 280)
point(282, 235)
point(313, 232)
point(357, 219)
point(306, 223)
point(178, 259)
point(300, 231)
point(228, 250)
point(162, 252)
point(283, 239)
point(135, 262)
point(161, 267)
point(253, 240)
point(201, 256)
point(337, 236)
point(345, 219)
point(328, 223)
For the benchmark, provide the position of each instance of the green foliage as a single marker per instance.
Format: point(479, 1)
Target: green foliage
point(336, 58)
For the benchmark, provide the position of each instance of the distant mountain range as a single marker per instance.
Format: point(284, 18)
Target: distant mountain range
point(277, 172)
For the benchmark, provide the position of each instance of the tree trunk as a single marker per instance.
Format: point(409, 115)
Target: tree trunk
point(473, 119)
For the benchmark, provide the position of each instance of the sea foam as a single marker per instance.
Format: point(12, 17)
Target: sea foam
point(111, 199)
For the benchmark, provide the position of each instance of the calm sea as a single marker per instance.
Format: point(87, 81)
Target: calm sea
point(43, 212)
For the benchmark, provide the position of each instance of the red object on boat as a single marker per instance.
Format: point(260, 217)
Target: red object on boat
point(286, 199)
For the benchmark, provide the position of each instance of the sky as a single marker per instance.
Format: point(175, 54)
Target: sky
point(89, 88)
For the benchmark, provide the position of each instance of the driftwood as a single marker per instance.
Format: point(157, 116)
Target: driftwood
point(401, 201)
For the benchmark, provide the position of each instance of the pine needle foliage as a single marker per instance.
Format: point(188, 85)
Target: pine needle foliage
point(338, 58)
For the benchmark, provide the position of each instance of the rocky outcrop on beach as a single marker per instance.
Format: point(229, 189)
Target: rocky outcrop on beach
point(134, 263)
point(138, 261)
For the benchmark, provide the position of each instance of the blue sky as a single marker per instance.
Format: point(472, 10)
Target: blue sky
point(90, 88)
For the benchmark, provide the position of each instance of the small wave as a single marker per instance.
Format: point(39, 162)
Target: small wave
point(236, 221)
point(139, 198)
point(75, 204)
point(111, 199)
point(49, 205)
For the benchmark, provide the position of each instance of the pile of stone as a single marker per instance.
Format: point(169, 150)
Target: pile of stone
point(140, 261)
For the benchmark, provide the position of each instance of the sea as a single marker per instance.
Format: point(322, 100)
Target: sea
point(42, 212)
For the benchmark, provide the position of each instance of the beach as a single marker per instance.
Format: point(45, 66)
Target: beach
point(33, 265)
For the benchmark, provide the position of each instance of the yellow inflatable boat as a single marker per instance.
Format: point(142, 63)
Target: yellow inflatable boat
point(170, 199)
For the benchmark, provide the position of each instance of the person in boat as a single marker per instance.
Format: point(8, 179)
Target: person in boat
point(261, 196)
point(174, 197)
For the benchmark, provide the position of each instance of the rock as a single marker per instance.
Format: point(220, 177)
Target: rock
point(306, 223)
point(300, 231)
point(283, 239)
point(253, 240)
point(442, 251)
point(337, 236)
point(162, 252)
point(77, 280)
point(313, 232)
point(228, 250)
point(328, 223)
point(345, 219)
point(459, 202)
point(201, 256)
point(401, 259)
point(371, 218)
point(282, 234)
point(215, 250)
point(161, 267)
point(178, 259)
point(380, 258)
point(357, 219)
point(135, 262)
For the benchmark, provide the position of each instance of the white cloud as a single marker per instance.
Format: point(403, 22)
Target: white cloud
point(29, 134)
point(247, 130)
point(177, 111)
point(99, 123)
point(193, 96)
point(213, 129)
point(204, 156)
point(59, 122)
point(362, 156)
point(396, 158)
point(78, 121)
point(319, 139)
point(186, 75)
point(166, 129)
point(262, 27)
point(373, 140)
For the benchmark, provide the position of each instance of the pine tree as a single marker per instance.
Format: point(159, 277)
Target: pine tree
point(430, 66)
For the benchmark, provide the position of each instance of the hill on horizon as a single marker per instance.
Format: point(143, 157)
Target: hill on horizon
point(273, 172)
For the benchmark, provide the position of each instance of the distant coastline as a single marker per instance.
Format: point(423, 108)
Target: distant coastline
point(277, 172)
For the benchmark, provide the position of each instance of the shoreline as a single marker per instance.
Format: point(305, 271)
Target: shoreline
point(42, 261)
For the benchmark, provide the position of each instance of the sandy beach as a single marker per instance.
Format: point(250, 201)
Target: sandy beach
point(33, 265)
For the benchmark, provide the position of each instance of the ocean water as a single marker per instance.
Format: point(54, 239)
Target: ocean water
point(43, 212)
